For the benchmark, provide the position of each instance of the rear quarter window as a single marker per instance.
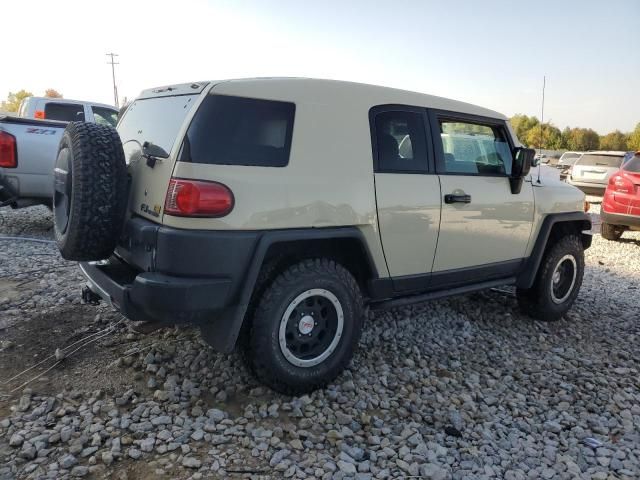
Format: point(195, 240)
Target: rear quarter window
point(66, 112)
point(633, 165)
point(230, 130)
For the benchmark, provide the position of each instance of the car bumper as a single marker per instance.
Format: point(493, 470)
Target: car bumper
point(156, 297)
point(170, 276)
point(631, 221)
point(589, 188)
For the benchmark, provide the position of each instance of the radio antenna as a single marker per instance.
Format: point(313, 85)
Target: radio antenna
point(544, 84)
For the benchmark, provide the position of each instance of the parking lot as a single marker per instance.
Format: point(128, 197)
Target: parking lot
point(460, 388)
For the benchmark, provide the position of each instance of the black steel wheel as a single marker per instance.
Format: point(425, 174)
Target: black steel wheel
point(305, 327)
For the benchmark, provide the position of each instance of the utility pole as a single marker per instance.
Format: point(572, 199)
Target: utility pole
point(113, 75)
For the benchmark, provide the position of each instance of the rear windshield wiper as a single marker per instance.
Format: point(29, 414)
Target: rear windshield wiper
point(153, 153)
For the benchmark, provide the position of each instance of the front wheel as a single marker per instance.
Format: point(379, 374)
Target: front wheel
point(611, 232)
point(305, 327)
point(558, 281)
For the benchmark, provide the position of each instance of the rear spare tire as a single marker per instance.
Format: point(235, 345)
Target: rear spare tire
point(90, 191)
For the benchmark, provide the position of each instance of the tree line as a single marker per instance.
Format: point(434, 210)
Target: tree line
point(13, 101)
point(548, 136)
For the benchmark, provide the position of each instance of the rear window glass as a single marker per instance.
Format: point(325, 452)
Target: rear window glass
point(230, 130)
point(155, 120)
point(66, 112)
point(633, 165)
point(600, 160)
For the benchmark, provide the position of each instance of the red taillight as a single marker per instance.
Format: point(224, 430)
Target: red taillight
point(196, 198)
point(620, 184)
point(8, 151)
point(39, 114)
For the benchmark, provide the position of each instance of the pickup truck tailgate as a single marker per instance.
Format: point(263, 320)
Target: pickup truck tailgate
point(37, 146)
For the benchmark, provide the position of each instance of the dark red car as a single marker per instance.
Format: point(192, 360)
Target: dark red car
point(621, 203)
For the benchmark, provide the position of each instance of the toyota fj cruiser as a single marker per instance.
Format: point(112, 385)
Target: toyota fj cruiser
point(273, 212)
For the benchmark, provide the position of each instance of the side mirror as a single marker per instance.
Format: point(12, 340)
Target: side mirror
point(523, 159)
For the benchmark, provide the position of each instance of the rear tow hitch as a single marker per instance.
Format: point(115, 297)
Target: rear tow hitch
point(90, 297)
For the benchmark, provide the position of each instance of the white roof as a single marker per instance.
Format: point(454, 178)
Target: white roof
point(330, 92)
point(68, 100)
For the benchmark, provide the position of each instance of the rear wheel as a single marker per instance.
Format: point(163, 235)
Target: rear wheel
point(611, 232)
point(558, 281)
point(305, 327)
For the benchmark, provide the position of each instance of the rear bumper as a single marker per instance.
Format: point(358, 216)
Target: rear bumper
point(171, 276)
point(632, 221)
point(156, 297)
point(589, 188)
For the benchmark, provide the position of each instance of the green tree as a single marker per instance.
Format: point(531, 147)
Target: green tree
point(544, 136)
point(633, 143)
point(52, 93)
point(614, 141)
point(565, 139)
point(522, 125)
point(12, 103)
point(583, 139)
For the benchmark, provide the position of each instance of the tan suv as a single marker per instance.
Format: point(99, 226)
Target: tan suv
point(273, 212)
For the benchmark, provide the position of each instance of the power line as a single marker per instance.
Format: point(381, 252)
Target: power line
point(113, 75)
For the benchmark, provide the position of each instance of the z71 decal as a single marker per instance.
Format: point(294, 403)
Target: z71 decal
point(41, 131)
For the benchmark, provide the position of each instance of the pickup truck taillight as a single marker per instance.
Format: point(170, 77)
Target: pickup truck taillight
point(621, 184)
point(8, 151)
point(198, 198)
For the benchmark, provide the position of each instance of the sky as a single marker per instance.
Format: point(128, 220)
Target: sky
point(493, 53)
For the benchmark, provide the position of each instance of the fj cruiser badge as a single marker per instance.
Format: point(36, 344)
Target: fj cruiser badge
point(153, 212)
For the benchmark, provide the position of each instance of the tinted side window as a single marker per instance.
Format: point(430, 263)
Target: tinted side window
point(474, 148)
point(401, 142)
point(240, 131)
point(66, 112)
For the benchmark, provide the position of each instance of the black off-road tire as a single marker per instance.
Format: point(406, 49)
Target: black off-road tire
point(537, 301)
point(90, 191)
point(262, 349)
point(611, 232)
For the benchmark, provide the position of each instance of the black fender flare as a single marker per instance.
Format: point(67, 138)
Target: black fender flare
point(222, 333)
point(529, 271)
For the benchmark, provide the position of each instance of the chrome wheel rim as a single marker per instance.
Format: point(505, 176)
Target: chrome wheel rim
point(311, 327)
point(563, 279)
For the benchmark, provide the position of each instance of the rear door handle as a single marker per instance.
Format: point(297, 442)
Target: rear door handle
point(451, 198)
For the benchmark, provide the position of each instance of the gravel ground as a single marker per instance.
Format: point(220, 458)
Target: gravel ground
point(463, 388)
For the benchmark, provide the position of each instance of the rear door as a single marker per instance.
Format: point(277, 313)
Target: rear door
point(407, 193)
point(632, 172)
point(157, 117)
point(484, 228)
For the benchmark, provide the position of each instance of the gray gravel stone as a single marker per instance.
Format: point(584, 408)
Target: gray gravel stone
point(67, 461)
point(191, 462)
